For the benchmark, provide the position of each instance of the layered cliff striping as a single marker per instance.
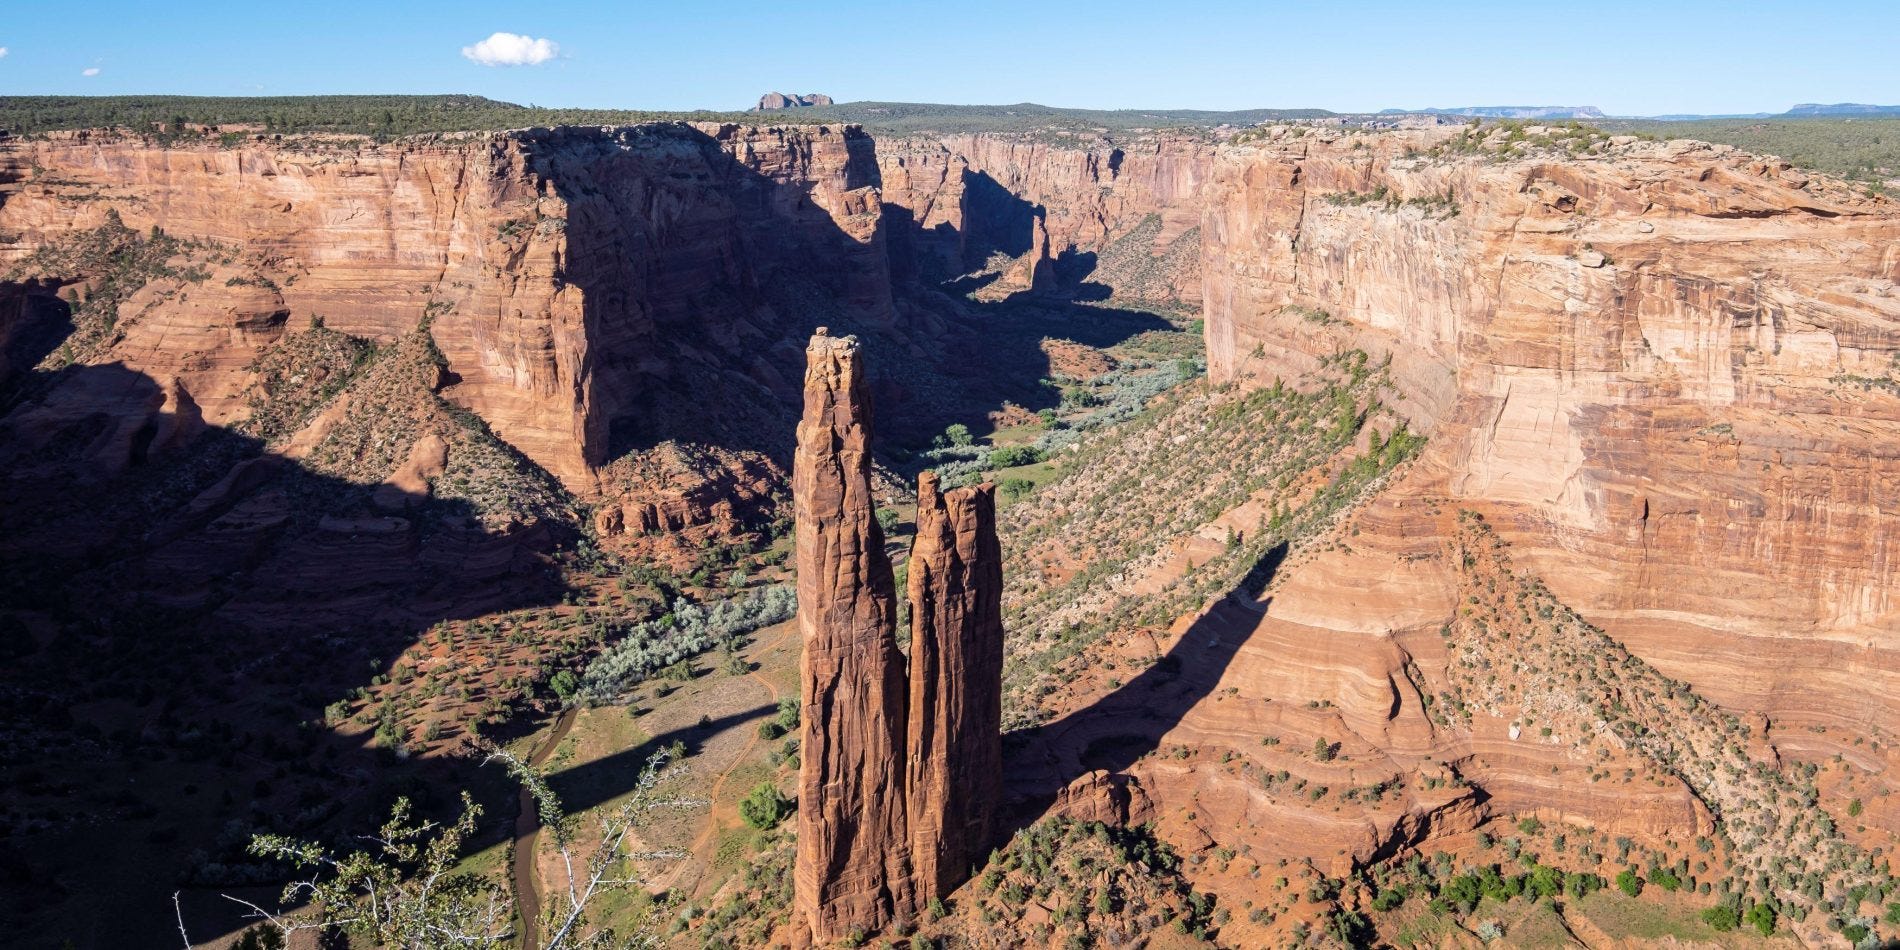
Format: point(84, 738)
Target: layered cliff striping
point(853, 869)
point(573, 279)
point(898, 773)
point(954, 752)
point(1635, 356)
point(581, 284)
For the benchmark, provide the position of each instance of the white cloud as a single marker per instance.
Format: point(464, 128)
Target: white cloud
point(511, 49)
point(90, 71)
point(3, 52)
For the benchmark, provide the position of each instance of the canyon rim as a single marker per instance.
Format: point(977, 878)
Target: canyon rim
point(851, 523)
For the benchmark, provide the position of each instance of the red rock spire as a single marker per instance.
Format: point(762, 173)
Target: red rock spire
point(955, 750)
point(853, 872)
point(899, 774)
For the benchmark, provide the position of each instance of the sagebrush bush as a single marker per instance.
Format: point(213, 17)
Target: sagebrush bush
point(690, 629)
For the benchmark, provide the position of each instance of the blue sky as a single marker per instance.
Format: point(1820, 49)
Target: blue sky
point(1627, 58)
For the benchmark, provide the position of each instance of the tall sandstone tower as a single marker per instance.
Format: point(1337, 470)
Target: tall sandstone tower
point(899, 774)
point(955, 770)
point(853, 870)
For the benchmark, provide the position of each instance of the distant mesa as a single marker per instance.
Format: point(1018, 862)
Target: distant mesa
point(1842, 108)
point(1514, 112)
point(779, 100)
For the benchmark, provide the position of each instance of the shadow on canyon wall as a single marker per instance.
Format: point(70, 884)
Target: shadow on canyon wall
point(182, 607)
point(1115, 731)
point(747, 275)
point(996, 221)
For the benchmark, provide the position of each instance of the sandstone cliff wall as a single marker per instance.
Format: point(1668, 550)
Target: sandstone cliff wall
point(573, 279)
point(1666, 371)
point(1122, 215)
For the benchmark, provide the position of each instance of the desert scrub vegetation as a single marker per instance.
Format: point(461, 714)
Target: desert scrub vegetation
point(1095, 405)
point(297, 376)
point(1089, 554)
point(746, 910)
point(1862, 148)
point(1417, 895)
point(1515, 138)
point(1382, 197)
point(401, 888)
point(1516, 652)
point(182, 120)
point(1130, 266)
point(391, 404)
point(388, 403)
point(1078, 884)
point(492, 477)
point(174, 119)
point(674, 638)
point(116, 262)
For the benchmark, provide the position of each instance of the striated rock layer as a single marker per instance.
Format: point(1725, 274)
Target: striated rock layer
point(955, 750)
point(1666, 371)
point(1120, 215)
point(571, 278)
point(853, 873)
point(899, 774)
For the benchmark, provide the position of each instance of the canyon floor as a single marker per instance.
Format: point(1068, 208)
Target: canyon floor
point(1440, 536)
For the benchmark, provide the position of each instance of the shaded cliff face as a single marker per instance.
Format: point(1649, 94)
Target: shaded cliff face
point(1665, 371)
point(955, 751)
point(1092, 216)
point(578, 283)
point(853, 870)
point(900, 771)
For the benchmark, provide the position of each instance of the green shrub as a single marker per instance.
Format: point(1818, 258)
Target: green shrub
point(1016, 487)
point(564, 684)
point(1014, 455)
point(1388, 899)
point(1722, 917)
point(1763, 917)
point(788, 714)
point(764, 807)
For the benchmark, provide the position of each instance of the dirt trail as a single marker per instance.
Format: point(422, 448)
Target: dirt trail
point(527, 837)
point(716, 812)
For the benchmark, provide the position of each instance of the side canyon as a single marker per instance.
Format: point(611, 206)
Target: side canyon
point(1535, 498)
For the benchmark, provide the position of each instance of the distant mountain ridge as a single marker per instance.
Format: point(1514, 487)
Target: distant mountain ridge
point(1508, 112)
point(391, 116)
point(1842, 108)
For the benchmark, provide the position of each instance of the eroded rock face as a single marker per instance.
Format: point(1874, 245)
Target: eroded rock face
point(900, 774)
point(571, 278)
point(853, 871)
point(1121, 214)
point(1665, 371)
point(956, 672)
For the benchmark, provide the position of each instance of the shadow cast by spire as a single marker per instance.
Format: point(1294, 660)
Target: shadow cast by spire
point(1117, 730)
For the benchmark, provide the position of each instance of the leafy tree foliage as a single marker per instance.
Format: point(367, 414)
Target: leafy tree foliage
point(403, 890)
point(689, 630)
point(764, 807)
